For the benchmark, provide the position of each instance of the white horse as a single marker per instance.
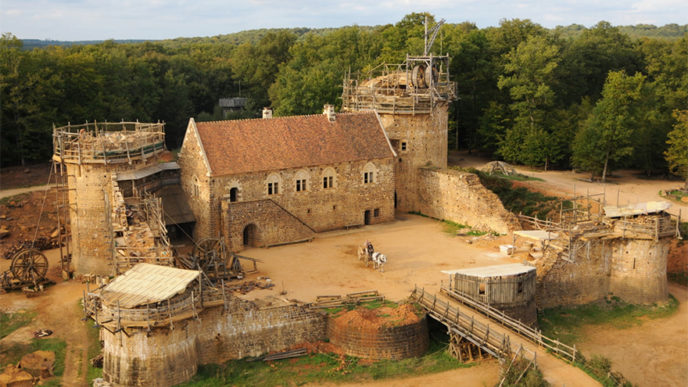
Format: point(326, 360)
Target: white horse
point(379, 261)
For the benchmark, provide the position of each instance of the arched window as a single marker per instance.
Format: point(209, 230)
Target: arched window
point(234, 191)
point(301, 180)
point(328, 178)
point(273, 184)
point(233, 194)
point(370, 174)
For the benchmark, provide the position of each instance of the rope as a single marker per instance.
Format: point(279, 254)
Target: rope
point(40, 214)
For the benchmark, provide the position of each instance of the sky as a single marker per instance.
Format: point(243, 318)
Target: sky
point(167, 19)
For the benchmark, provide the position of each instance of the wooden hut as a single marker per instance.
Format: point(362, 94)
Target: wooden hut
point(510, 288)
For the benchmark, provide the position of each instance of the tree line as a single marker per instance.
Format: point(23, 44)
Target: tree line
point(594, 98)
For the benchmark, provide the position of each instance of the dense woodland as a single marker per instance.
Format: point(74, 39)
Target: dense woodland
point(594, 98)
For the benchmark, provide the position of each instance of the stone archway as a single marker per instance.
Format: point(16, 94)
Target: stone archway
point(250, 235)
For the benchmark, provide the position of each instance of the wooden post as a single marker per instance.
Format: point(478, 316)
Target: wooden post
point(224, 299)
point(169, 312)
point(573, 360)
point(193, 304)
point(119, 317)
point(85, 306)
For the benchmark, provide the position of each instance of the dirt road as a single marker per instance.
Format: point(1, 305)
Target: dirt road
point(624, 184)
point(652, 354)
point(58, 310)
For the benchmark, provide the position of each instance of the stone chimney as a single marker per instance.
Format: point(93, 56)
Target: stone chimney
point(267, 113)
point(328, 110)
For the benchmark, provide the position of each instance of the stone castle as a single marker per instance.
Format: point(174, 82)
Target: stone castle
point(277, 180)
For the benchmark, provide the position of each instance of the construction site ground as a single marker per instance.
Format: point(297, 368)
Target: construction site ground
point(418, 249)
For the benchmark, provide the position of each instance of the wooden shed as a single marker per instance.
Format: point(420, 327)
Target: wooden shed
point(510, 288)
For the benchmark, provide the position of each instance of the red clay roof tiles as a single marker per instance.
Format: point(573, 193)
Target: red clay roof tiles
point(242, 146)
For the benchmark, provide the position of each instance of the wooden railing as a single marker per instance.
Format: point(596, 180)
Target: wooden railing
point(464, 324)
point(557, 347)
point(108, 142)
point(165, 313)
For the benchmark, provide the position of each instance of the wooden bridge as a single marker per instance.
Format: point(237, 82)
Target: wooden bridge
point(501, 336)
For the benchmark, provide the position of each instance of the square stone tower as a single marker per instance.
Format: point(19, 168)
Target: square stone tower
point(411, 99)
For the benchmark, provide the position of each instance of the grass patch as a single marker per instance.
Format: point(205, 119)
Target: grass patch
point(319, 368)
point(453, 227)
point(14, 198)
point(521, 199)
point(675, 195)
point(93, 350)
point(12, 354)
point(517, 177)
point(565, 324)
point(10, 322)
point(683, 229)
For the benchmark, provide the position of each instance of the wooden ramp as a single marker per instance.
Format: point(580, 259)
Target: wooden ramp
point(498, 336)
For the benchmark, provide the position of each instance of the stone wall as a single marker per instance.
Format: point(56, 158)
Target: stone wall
point(384, 341)
point(265, 224)
point(632, 269)
point(340, 205)
point(195, 182)
point(460, 197)
point(164, 356)
point(420, 140)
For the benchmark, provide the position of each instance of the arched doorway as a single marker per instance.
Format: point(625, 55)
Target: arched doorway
point(251, 235)
point(233, 194)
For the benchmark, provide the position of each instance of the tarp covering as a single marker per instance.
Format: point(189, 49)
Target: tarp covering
point(493, 271)
point(147, 284)
point(147, 171)
point(636, 209)
point(538, 235)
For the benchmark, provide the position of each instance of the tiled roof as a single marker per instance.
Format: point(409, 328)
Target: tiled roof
point(146, 284)
point(242, 146)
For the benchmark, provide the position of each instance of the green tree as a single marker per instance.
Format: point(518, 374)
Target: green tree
point(677, 153)
point(608, 133)
point(529, 73)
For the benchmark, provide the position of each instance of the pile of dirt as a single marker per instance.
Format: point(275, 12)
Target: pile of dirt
point(15, 377)
point(39, 363)
point(20, 214)
point(384, 316)
point(677, 261)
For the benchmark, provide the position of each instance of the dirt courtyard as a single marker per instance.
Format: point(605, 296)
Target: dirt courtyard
point(417, 251)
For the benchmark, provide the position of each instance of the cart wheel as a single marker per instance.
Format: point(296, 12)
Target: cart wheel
point(29, 266)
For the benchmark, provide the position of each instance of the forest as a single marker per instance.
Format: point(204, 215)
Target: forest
point(595, 99)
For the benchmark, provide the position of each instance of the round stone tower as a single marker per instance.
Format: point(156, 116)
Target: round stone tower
point(93, 154)
point(411, 100)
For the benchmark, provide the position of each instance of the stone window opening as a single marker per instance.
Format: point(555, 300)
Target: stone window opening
point(367, 177)
point(376, 212)
point(273, 188)
point(369, 172)
point(403, 146)
point(328, 182)
point(273, 183)
point(196, 188)
point(300, 185)
point(233, 194)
